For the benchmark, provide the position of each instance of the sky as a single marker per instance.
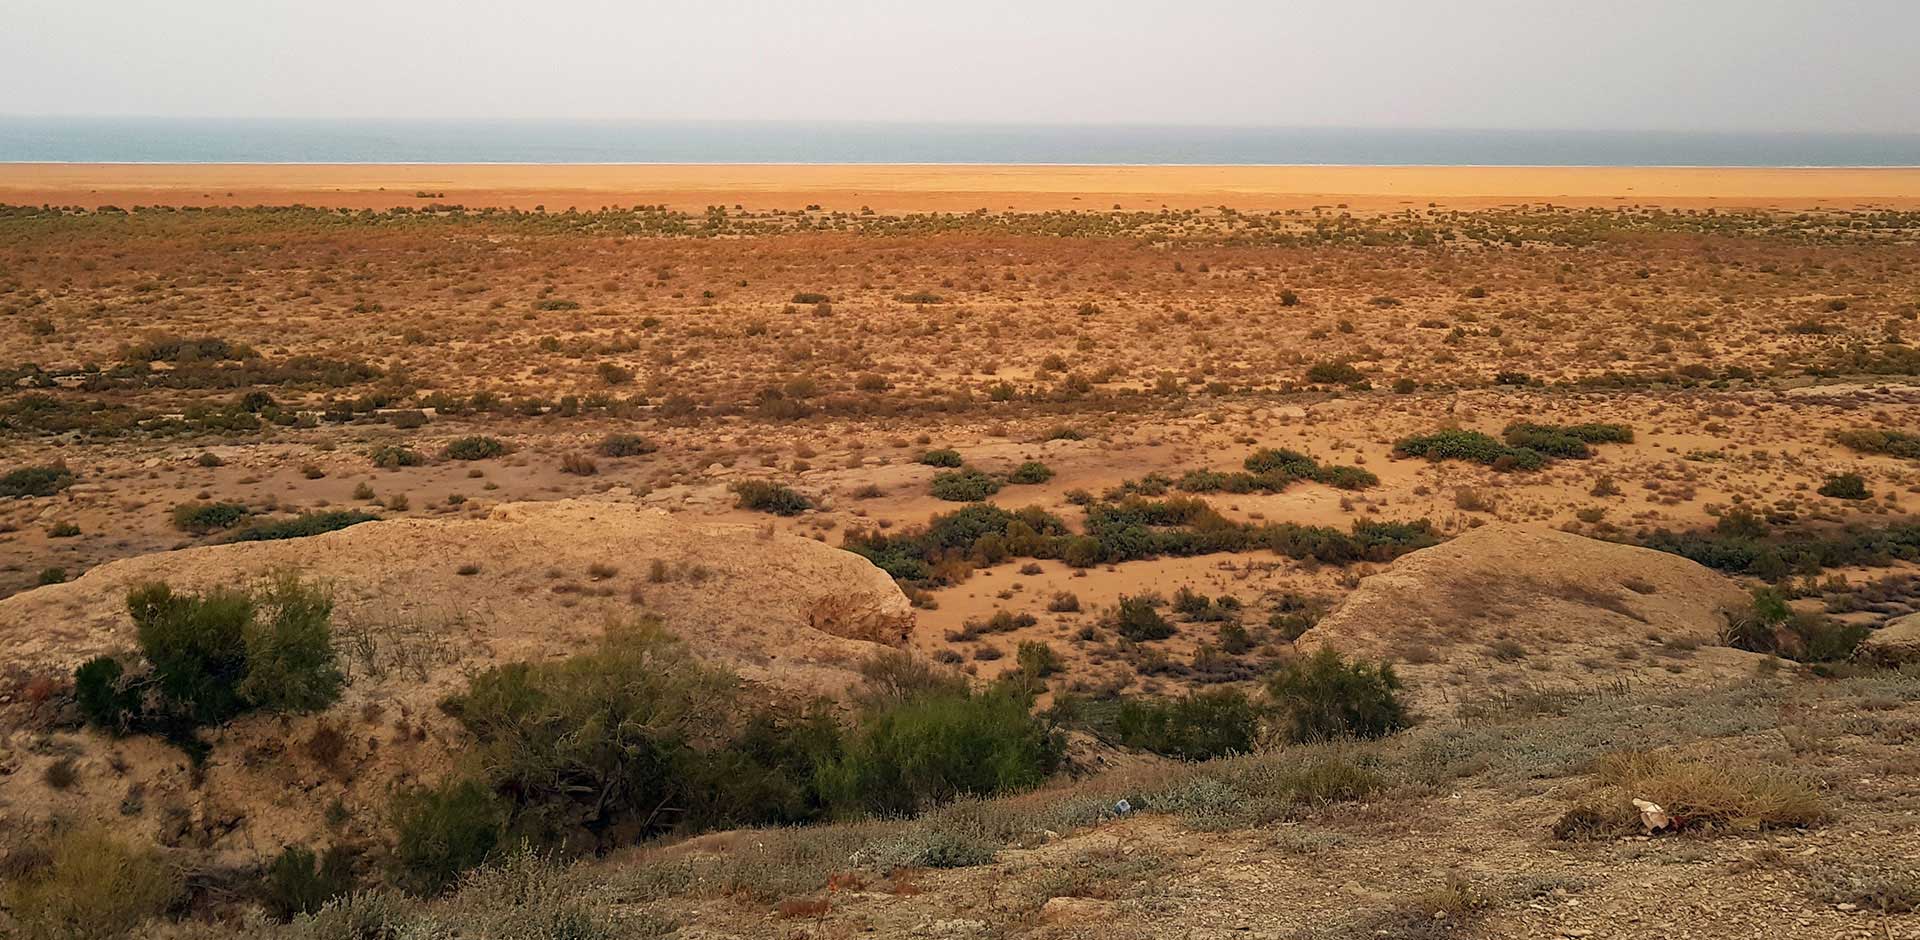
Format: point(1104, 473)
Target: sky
point(1727, 65)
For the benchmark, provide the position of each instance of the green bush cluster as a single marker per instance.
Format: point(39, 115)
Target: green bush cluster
point(391, 456)
point(767, 496)
point(201, 518)
point(1570, 440)
point(1199, 726)
point(1845, 486)
point(941, 457)
point(43, 480)
point(966, 485)
point(1335, 372)
point(625, 445)
point(1742, 543)
point(1268, 470)
point(475, 447)
point(301, 526)
point(1130, 529)
point(1874, 441)
point(207, 658)
point(637, 738)
point(1029, 473)
point(1323, 696)
point(1135, 619)
point(1473, 446)
point(1770, 625)
point(981, 533)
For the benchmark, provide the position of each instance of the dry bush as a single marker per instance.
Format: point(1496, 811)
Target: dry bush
point(92, 886)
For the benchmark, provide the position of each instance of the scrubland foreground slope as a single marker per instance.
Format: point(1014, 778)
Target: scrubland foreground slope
point(1294, 573)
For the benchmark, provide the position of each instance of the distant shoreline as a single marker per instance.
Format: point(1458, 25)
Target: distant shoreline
point(902, 187)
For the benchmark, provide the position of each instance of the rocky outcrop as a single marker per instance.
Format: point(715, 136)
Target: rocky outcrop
point(1896, 643)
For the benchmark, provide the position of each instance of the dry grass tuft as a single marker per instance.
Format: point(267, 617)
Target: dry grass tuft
point(1695, 791)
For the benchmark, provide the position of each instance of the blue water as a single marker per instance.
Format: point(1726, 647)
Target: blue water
point(152, 140)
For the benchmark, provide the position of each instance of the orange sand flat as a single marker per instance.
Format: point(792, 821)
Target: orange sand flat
point(951, 187)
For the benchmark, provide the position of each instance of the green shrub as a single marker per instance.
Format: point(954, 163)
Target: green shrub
point(1037, 660)
point(394, 455)
point(1335, 372)
point(1845, 486)
point(1200, 726)
point(36, 481)
point(201, 518)
point(942, 457)
point(303, 525)
point(964, 486)
point(300, 882)
point(625, 445)
point(291, 663)
point(1033, 471)
point(1770, 625)
point(476, 447)
point(1135, 619)
point(765, 496)
point(1323, 696)
point(924, 751)
point(210, 657)
point(105, 702)
point(441, 832)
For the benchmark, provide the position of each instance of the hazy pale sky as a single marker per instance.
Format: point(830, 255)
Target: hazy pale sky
point(1836, 65)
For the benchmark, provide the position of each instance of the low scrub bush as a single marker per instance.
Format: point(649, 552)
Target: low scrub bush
point(942, 457)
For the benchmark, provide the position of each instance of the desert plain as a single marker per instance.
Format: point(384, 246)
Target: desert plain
point(1531, 437)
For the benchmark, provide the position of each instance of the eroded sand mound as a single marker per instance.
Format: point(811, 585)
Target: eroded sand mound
point(421, 604)
point(1505, 610)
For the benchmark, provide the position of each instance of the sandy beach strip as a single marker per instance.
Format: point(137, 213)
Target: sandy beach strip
point(950, 188)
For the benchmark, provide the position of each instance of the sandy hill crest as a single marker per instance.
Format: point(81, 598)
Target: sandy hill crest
point(1505, 609)
point(541, 580)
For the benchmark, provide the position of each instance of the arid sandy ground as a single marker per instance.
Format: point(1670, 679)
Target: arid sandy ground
point(953, 188)
point(294, 361)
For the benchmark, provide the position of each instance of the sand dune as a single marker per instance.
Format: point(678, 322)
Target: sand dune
point(950, 187)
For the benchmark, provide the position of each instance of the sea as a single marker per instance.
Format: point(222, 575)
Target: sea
point(540, 141)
